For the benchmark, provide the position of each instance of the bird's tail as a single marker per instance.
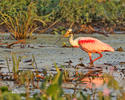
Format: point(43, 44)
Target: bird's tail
point(109, 48)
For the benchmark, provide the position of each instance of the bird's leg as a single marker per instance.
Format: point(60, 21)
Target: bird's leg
point(91, 61)
point(98, 57)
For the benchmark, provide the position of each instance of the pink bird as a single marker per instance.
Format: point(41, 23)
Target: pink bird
point(89, 45)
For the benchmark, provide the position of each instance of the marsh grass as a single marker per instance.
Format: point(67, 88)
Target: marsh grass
point(51, 86)
point(24, 23)
point(16, 61)
point(54, 90)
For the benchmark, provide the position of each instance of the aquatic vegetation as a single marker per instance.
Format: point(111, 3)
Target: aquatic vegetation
point(10, 96)
point(54, 90)
point(17, 73)
point(15, 62)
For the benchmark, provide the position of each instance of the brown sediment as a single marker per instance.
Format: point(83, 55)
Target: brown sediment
point(120, 49)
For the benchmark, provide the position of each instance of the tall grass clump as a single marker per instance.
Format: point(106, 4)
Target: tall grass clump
point(20, 17)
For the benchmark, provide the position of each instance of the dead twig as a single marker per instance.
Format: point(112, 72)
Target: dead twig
point(3, 44)
point(90, 29)
point(16, 42)
point(49, 26)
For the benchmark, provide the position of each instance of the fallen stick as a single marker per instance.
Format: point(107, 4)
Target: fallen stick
point(16, 42)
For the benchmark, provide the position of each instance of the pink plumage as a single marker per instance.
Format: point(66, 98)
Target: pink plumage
point(93, 45)
point(89, 45)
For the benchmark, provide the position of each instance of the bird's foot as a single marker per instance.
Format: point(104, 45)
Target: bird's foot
point(91, 64)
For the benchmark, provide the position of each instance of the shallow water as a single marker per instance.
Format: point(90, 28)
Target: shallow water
point(47, 52)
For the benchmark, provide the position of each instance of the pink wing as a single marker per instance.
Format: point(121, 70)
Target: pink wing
point(93, 45)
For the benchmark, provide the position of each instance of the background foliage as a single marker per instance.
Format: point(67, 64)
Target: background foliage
point(68, 11)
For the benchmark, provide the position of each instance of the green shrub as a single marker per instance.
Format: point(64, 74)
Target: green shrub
point(84, 11)
point(22, 16)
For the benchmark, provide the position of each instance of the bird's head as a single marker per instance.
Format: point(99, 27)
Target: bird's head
point(67, 34)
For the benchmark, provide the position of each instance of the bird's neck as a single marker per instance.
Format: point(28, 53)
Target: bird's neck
point(73, 42)
point(71, 39)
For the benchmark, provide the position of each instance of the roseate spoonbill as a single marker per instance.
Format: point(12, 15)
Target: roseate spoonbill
point(89, 45)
